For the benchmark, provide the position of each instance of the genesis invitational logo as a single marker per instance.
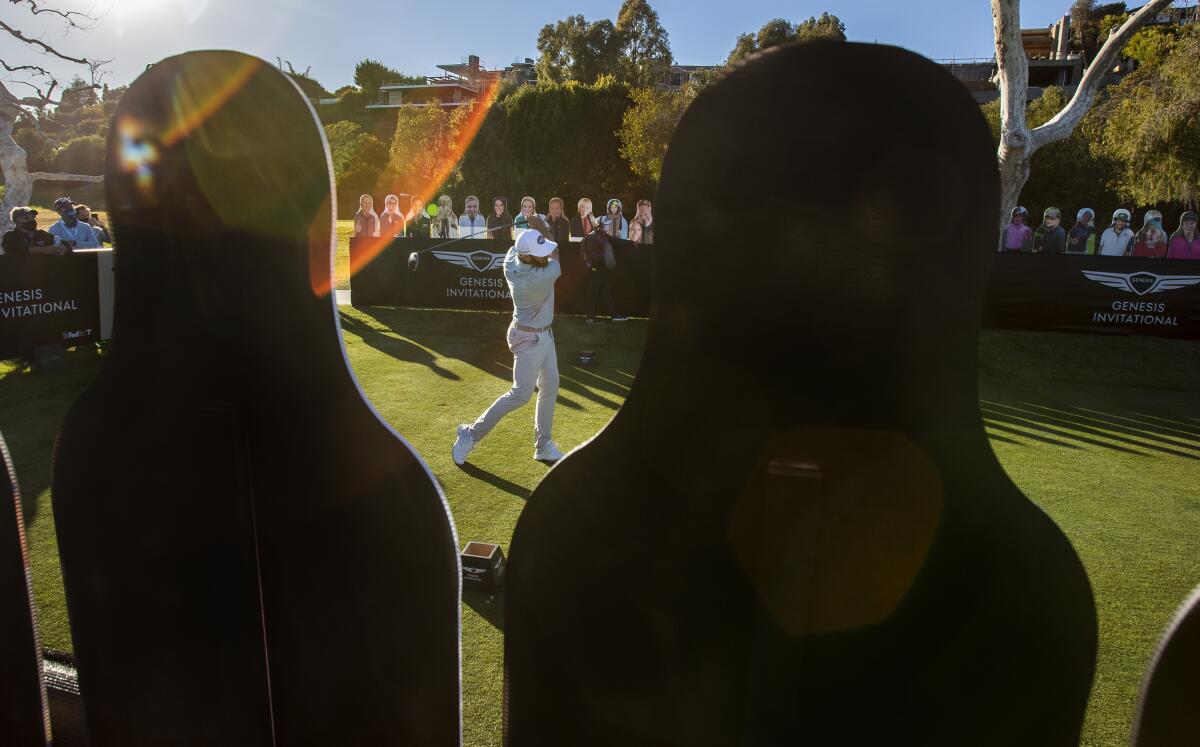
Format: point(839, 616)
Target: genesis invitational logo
point(481, 260)
point(1148, 313)
point(1142, 283)
point(473, 286)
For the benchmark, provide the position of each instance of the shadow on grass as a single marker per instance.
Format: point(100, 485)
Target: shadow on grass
point(495, 480)
point(490, 608)
point(31, 408)
point(480, 343)
point(396, 347)
point(1093, 428)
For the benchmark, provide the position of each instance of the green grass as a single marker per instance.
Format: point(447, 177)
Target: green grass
point(1103, 433)
point(341, 255)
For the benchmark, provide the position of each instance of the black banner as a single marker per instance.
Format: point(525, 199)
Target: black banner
point(469, 274)
point(46, 299)
point(1094, 294)
point(1025, 291)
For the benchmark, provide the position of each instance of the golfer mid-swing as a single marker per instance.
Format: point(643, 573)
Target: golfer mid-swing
point(530, 268)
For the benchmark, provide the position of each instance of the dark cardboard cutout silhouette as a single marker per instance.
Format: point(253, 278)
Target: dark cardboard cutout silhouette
point(250, 554)
point(794, 531)
point(1169, 712)
point(24, 713)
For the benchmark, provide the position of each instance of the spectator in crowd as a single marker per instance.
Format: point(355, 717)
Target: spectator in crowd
point(1050, 237)
point(419, 222)
point(1017, 236)
point(1185, 243)
point(499, 223)
point(560, 227)
point(528, 210)
point(614, 222)
point(1151, 218)
point(26, 238)
point(445, 226)
point(391, 220)
point(1082, 238)
point(70, 230)
point(1151, 242)
point(584, 223)
point(366, 221)
point(641, 228)
point(1117, 239)
point(85, 214)
point(599, 287)
point(472, 224)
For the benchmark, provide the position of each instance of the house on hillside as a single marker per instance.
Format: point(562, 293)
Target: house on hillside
point(462, 83)
point(1052, 62)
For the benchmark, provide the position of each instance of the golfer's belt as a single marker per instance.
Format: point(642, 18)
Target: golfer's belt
point(535, 330)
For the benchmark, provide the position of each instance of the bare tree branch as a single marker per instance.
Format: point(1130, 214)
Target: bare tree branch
point(92, 65)
point(1064, 123)
point(15, 68)
point(88, 21)
point(54, 177)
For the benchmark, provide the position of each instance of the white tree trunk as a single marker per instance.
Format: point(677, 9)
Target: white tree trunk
point(1017, 142)
point(18, 182)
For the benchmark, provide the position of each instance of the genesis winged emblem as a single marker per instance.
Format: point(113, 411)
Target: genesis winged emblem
point(1141, 283)
point(481, 261)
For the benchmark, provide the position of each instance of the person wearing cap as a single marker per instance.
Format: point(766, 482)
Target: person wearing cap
point(1017, 236)
point(26, 238)
point(391, 220)
point(1151, 218)
point(531, 268)
point(1185, 243)
point(1082, 237)
point(84, 213)
point(1050, 237)
point(1150, 242)
point(1117, 239)
point(71, 231)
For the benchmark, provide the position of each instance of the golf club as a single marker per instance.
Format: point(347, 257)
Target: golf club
point(414, 259)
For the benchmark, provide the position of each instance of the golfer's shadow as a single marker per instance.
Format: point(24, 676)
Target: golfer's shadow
point(397, 347)
point(495, 480)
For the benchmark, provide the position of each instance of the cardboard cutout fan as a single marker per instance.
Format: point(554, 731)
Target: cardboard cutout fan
point(794, 531)
point(24, 709)
point(250, 554)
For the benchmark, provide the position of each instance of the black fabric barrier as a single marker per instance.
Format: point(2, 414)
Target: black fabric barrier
point(469, 275)
point(1094, 294)
point(46, 299)
point(1025, 291)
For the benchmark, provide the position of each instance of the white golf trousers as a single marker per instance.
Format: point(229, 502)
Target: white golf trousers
point(535, 362)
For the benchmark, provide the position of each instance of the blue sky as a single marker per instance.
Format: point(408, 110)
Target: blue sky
point(330, 36)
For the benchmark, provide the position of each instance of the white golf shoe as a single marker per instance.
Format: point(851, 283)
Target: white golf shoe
point(463, 444)
point(548, 453)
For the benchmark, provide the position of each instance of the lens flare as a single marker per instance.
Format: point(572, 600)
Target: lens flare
point(451, 154)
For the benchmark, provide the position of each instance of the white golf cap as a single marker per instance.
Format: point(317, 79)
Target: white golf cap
point(533, 242)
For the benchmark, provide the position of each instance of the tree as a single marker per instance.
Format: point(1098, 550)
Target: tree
point(826, 28)
point(573, 49)
point(1088, 30)
point(1069, 174)
point(781, 31)
point(358, 159)
point(645, 46)
point(369, 75)
point(648, 126)
point(1018, 142)
point(552, 139)
point(1150, 127)
point(426, 149)
point(18, 180)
